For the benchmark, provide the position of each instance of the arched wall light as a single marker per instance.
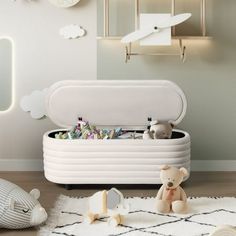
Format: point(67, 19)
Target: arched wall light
point(7, 95)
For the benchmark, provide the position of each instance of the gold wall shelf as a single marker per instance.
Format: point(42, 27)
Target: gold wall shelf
point(203, 36)
point(173, 37)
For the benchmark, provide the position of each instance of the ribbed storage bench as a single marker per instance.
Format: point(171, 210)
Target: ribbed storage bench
point(125, 104)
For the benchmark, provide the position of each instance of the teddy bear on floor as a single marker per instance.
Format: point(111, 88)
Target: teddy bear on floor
point(171, 196)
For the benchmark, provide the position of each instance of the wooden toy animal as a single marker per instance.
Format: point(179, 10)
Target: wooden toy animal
point(171, 196)
point(19, 209)
point(107, 203)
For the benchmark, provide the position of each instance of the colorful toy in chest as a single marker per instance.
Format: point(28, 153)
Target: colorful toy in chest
point(84, 130)
point(19, 209)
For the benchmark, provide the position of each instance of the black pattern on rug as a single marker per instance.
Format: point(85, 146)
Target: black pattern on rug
point(149, 229)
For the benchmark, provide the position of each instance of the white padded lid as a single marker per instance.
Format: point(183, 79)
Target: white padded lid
point(115, 103)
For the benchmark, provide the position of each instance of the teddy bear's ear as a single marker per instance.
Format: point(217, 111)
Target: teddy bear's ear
point(154, 122)
point(171, 123)
point(164, 167)
point(183, 171)
point(35, 193)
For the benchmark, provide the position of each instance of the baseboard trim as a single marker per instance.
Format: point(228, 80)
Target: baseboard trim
point(213, 165)
point(21, 165)
point(37, 165)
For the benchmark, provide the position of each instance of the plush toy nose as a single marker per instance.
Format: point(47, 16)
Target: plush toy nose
point(39, 215)
point(169, 184)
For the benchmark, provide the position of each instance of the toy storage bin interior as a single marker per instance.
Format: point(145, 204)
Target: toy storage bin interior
point(126, 104)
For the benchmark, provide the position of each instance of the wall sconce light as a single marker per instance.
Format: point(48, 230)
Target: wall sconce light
point(8, 74)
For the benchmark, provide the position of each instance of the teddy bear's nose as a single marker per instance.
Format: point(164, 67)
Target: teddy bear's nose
point(170, 184)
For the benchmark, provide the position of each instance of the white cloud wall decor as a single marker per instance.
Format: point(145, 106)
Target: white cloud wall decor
point(35, 104)
point(72, 31)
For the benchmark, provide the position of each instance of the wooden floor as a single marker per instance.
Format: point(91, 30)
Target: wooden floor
point(200, 184)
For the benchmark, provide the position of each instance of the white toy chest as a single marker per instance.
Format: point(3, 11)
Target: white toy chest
point(126, 104)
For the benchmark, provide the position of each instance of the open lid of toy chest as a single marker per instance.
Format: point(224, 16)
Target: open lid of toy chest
point(115, 103)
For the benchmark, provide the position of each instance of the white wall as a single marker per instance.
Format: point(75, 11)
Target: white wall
point(208, 77)
point(42, 57)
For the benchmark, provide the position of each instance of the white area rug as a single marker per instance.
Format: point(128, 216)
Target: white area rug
point(205, 214)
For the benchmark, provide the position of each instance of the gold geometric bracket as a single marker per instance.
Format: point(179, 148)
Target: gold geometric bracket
point(181, 54)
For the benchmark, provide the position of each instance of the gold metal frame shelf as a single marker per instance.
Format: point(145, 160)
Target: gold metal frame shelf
point(181, 54)
point(173, 37)
point(128, 49)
